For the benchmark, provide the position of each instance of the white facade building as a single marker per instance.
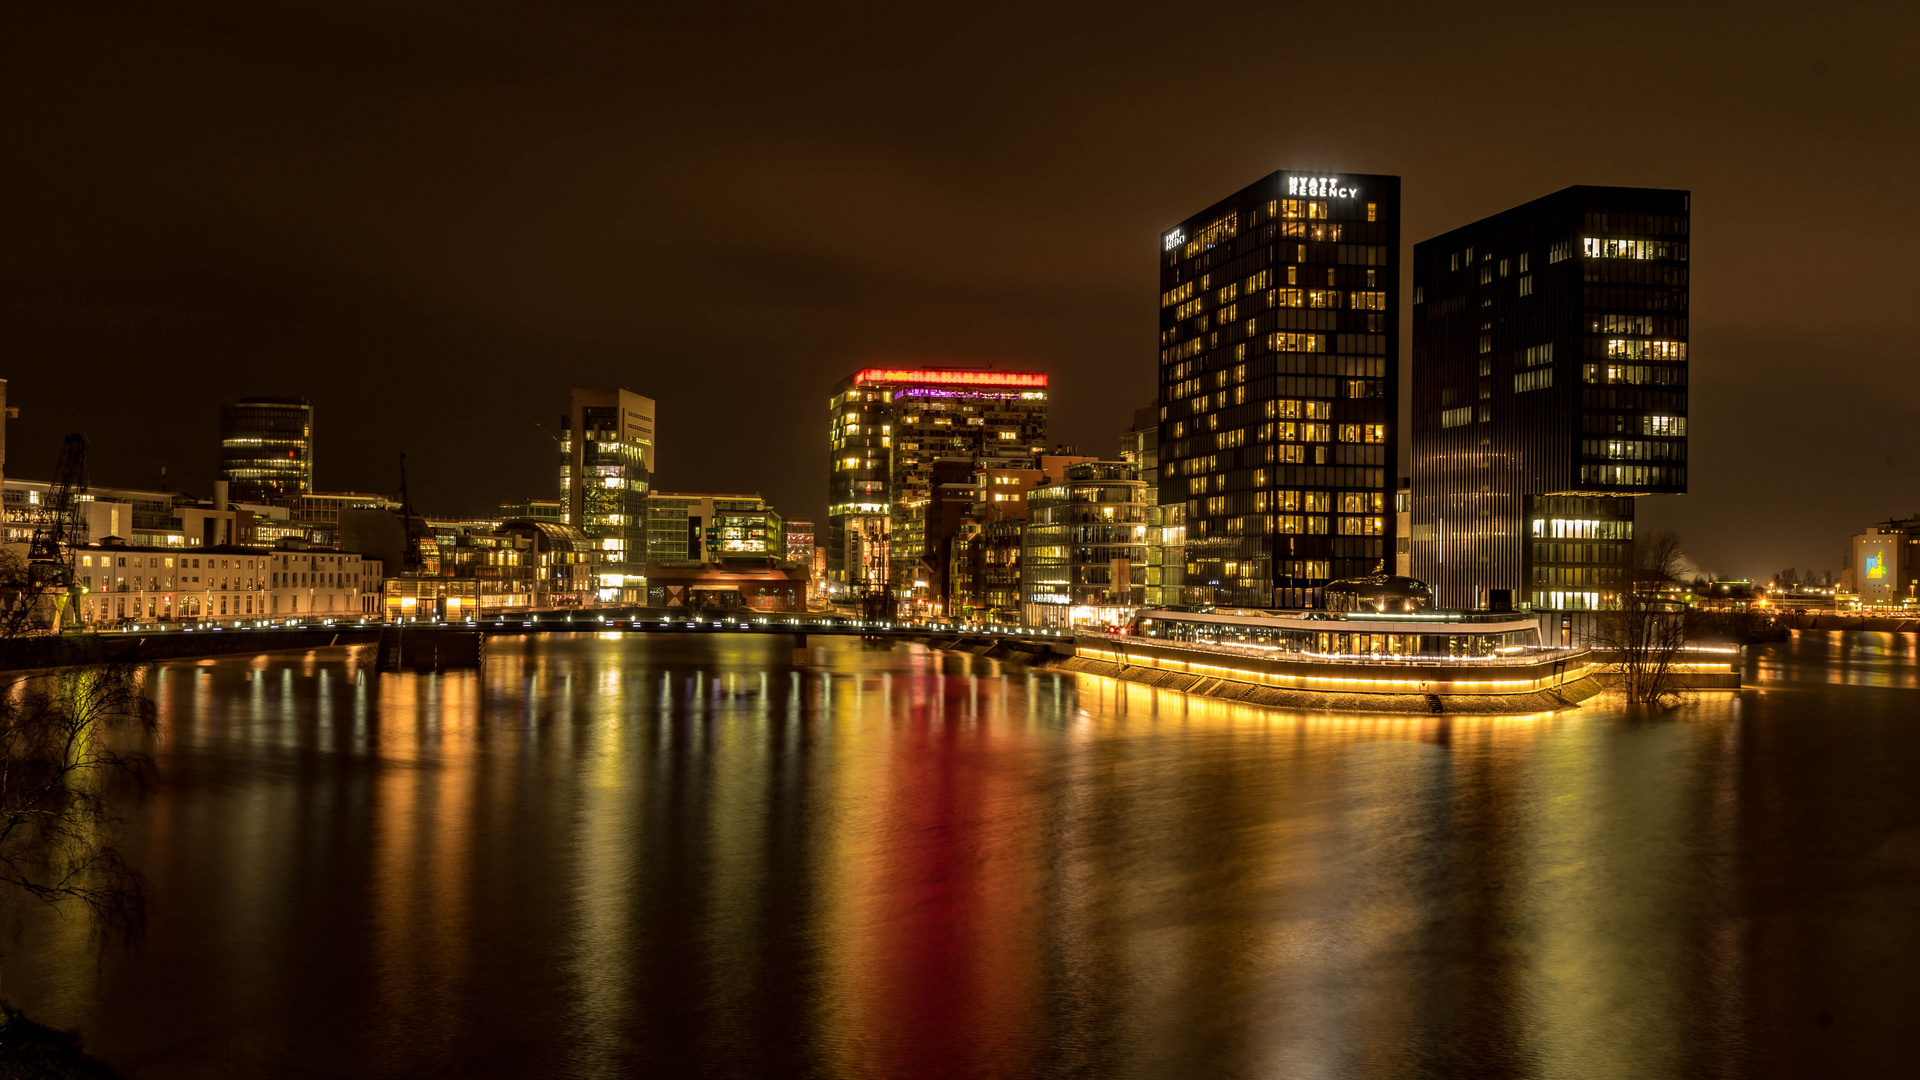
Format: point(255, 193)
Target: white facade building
point(145, 583)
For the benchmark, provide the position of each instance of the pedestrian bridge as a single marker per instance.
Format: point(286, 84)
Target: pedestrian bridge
point(444, 643)
point(737, 623)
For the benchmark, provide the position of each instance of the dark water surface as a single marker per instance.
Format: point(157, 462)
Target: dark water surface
point(682, 857)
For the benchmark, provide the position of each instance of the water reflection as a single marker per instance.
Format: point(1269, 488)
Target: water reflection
point(613, 856)
point(1852, 658)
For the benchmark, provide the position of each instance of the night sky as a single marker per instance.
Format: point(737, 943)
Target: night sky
point(434, 219)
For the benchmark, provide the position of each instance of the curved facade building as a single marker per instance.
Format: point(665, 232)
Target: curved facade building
point(266, 449)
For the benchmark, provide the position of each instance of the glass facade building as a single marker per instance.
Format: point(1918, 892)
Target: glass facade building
point(606, 471)
point(1279, 310)
point(266, 449)
point(1161, 578)
point(1085, 540)
point(688, 527)
point(887, 428)
point(799, 540)
point(1549, 391)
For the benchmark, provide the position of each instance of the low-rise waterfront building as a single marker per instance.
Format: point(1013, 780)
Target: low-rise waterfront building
point(1885, 569)
point(143, 517)
point(317, 513)
point(730, 583)
point(532, 509)
point(702, 527)
point(482, 569)
point(119, 582)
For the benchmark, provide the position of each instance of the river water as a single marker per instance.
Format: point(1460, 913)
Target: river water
point(630, 856)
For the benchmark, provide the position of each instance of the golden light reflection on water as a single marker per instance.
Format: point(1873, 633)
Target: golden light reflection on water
point(615, 855)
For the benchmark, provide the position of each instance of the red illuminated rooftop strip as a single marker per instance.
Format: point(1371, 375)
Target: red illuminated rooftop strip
point(950, 378)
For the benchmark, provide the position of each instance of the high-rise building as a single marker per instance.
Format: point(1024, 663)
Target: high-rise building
point(888, 428)
point(606, 470)
point(1549, 392)
point(266, 449)
point(1279, 310)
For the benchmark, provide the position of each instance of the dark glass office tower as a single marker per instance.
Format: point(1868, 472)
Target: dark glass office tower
point(1279, 309)
point(266, 449)
point(1549, 391)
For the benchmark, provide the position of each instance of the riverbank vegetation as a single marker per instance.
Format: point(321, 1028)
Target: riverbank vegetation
point(1644, 635)
point(32, 1051)
point(62, 765)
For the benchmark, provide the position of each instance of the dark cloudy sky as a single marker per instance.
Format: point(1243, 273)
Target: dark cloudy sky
point(434, 219)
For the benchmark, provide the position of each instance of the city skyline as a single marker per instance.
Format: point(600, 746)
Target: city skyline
point(606, 540)
point(487, 300)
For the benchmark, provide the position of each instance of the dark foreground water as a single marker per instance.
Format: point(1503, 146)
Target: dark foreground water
point(671, 857)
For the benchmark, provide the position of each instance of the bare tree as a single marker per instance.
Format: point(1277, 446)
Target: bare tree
point(1659, 560)
point(59, 768)
point(1644, 633)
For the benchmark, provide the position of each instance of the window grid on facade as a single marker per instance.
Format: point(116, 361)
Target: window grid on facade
point(1557, 394)
point(1278, 386)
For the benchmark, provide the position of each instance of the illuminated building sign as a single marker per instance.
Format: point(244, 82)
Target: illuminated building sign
point(1877, 564)
point(1173, 240)
point(950, 378)
point(1325, 187)
point(967, 395)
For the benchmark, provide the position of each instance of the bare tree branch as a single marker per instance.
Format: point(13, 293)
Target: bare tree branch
point(1644, 634)
point(60, 771)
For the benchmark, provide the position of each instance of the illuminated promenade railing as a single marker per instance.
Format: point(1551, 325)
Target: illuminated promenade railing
point(1529, 672)
point(1529, 658)
point(586, 622)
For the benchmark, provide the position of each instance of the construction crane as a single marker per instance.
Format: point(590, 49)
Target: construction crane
point(61, 529)
point(412, 561)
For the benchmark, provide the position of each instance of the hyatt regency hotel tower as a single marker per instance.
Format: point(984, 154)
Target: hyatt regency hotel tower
point(1279, 310)
point(1549, 393)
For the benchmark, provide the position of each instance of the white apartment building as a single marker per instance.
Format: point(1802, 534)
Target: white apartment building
point(143, 583)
